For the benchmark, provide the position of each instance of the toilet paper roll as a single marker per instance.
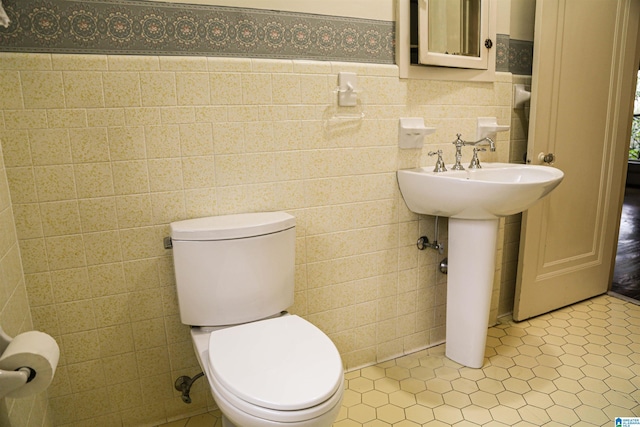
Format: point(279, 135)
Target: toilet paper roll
point(34, 350)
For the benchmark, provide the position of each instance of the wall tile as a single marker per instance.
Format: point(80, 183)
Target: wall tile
point(225, 88)
point(203, 136)
point(107, 279)
point(143, 116)
point(259, 137)
point(71, 118)
point(70, 285)
point(170, 115)
point(66, 251)
point(79, 62)
point(133, 63)
point(77, 316)
point(130, 177)
point(12, 97)
point(102, 247)
point(39, 289)
point(50, 146)
point(105, 117)
point(138, 243)
point(55, 183)
point(126, 143)
point(134, 211)
point(151, 361)
point(117, 339)
point(228, 138)
point(34, 256)
point(162, 141)
point(122, 89)
point(256, 89)
point(97, 214)
point(42, 89)
point(200, 202)
point(15, 148)
point(94, 180)
point(192, 88)
point(167, 207)
point(158, 89)
point(25, 119)
point(315, 89)
point(120, 368)
point(286, 89)
point(111, 310)
point(83, 89)
point(11, 271)
point(89, 144)
point(198, 172)
point(165, 174)
point(86, 376)
point(59, 218)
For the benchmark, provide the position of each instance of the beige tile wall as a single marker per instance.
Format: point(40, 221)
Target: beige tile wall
point(102, 152)
point(15, 316)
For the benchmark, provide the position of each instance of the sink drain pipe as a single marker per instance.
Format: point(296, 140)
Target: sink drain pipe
point(444, 266)
point(423, 243)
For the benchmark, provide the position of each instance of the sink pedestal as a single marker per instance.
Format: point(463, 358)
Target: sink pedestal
point(472, 250)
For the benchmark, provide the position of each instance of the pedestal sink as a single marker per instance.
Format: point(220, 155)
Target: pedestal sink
point(474, 200)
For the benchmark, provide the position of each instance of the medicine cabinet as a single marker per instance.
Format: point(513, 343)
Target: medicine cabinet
point(446, 39)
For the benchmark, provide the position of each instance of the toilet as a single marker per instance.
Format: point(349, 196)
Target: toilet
point(235, 280)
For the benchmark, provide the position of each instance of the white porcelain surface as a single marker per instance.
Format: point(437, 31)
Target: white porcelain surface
point(235, 226)
point(496, 190)
point(471, 268)
point(284, 363)
point(225, 280)
point(245, 414)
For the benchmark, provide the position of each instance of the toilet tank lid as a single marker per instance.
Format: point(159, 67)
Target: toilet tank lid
point(235, 226)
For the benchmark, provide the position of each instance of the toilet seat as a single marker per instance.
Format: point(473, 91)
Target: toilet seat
point(231, 405)
point(279, 368)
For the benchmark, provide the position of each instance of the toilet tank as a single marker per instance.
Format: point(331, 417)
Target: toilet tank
point(234, 268)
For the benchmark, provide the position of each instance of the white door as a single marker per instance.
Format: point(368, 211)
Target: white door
point(584, 72)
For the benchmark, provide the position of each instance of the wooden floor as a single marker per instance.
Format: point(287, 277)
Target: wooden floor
point(626, 276)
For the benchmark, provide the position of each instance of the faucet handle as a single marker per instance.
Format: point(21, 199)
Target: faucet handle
point(475, 161)
point(440, 167)
point(458, 142)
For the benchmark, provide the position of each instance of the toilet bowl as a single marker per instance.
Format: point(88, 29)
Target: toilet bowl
point(281, 371)
point(235, 277)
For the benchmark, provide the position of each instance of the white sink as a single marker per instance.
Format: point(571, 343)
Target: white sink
point(496, 190)
point(473, 200)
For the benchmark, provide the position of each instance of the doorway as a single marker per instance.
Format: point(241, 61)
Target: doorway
point(626, 275)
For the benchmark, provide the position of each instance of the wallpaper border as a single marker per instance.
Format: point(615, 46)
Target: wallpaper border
point(134, 27)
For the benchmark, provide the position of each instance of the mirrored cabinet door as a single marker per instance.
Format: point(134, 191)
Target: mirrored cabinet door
point(451, 33)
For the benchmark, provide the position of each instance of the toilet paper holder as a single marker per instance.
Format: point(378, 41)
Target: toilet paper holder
point(12, 380)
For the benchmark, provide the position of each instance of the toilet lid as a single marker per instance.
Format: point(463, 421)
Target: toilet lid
point(285, 363)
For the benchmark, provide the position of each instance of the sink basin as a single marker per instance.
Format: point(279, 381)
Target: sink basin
point(494, 191)
point(473, 200)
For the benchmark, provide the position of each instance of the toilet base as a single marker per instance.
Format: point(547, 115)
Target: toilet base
point(243, 419)
point(226, 422)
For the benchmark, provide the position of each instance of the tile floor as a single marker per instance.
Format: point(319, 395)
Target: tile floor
point(578, 366)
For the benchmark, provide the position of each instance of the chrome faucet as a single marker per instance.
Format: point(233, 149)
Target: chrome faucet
point(459, 143)
point(440, 167)
point(484, 141)
point(475, 163)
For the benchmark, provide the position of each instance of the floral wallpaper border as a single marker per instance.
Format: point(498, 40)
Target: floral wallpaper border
point(137, 27)
point(514, 56)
